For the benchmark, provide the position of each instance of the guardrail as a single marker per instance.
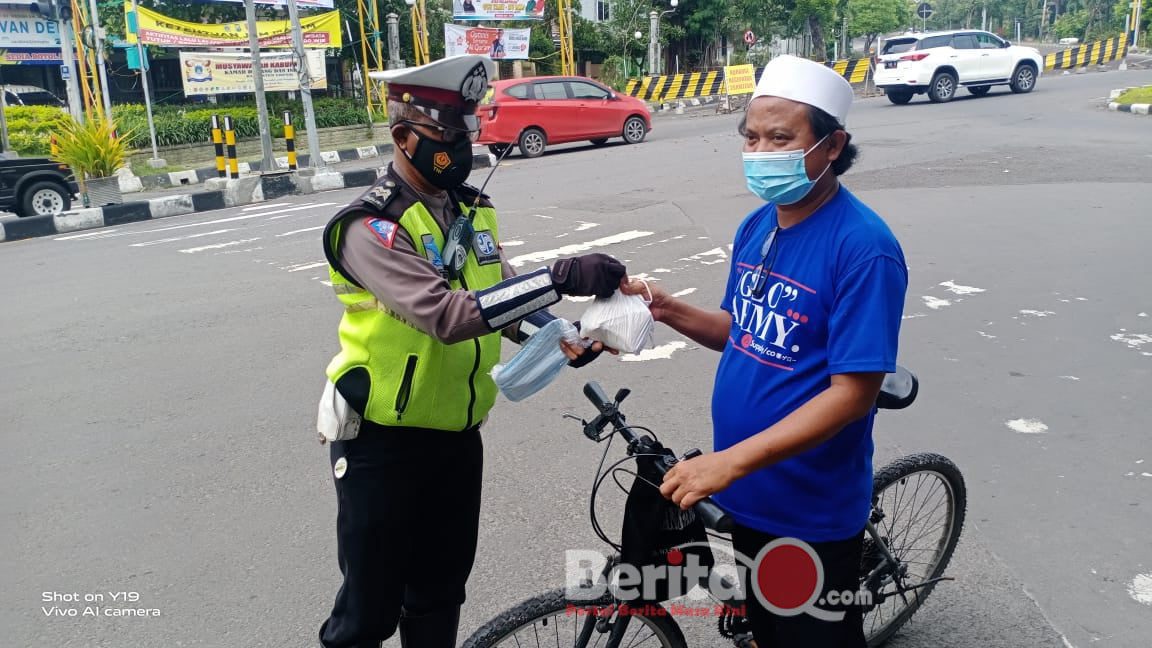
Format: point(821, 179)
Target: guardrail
point(705, 84)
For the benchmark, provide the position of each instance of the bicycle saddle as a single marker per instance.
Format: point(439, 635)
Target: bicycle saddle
point(899, 389)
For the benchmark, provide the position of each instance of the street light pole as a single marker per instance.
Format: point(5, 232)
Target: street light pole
point(653, 34)
point(314, 159)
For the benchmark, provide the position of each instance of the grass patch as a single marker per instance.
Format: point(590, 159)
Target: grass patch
point(1136, 96)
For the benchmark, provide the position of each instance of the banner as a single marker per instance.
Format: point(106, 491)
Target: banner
point(487, 41)
point(303, 4)
point(484, 10)
point(320, 31)
point(19, 28)
point(211, 73)
point(30, 56)
point(740, 79)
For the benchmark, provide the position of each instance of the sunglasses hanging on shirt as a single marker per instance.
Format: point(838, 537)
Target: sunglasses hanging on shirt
point(764, 270)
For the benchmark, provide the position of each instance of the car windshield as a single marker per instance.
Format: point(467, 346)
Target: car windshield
point(898, 45)
point(39, 99)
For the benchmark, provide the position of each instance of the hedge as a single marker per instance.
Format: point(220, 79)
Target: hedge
point(30, 127)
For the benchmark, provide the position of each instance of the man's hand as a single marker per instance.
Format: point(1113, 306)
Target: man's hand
point(591, 275)
point(580, 355)
point(692, 480)
point(661, 300)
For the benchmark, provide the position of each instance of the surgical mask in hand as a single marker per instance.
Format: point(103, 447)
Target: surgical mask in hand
point(537, 363)
point(780, 177)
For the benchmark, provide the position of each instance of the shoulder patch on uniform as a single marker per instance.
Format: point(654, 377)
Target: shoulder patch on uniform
point(378, 197)
point(385, 230)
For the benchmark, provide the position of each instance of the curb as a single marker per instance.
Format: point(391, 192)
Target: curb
point(220, 193)
point(1135, 109)
point(201, 175)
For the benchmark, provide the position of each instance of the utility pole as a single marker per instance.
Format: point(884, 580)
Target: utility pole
point(98, 36)
point(653, 34)
point(68, 57)
point(155, 162)
point(269, 163)
point(4, 145)
point(314, 159)
point(393, 21)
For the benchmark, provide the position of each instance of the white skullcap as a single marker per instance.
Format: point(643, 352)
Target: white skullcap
point(807, 82)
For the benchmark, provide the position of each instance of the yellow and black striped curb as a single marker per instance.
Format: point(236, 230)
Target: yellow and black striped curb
point(706, 84)
point(1103, 51)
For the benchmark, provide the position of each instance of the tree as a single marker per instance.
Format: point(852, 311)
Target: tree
point(872, 18)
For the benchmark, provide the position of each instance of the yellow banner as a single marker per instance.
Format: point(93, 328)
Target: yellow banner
point(320, 31)
point(740, 79)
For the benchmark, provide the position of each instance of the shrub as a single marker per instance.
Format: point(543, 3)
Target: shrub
point(92, 148)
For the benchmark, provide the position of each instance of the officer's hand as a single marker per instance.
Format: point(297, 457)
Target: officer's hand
point(594, 274)
point(580, 355)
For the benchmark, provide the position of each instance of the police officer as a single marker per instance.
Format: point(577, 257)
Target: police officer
point(427, 294)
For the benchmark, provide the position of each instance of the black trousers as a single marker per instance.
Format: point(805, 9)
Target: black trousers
point(408, 514)
point(841, 563)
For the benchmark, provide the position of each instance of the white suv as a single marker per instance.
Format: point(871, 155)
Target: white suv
point(939, 63)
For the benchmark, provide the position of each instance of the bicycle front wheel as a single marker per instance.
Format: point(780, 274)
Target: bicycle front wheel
point(552, 619)
point(918, 505)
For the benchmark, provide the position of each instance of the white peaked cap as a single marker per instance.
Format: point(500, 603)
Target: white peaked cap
point(807, 82)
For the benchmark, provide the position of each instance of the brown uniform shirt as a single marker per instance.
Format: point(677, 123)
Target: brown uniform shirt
point(405, 281)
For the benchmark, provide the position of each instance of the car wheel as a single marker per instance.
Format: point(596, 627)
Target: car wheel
point(980, 91)
point(1023, 79)
point(635, 130)
point(600, 141)
point(942, 88)
point(532, 143)
point(498, 149)
point(45, 199)
point(899, 98)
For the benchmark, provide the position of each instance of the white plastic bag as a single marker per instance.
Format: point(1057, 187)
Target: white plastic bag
point(335, 418)
point(537, 363)
point(622, 322)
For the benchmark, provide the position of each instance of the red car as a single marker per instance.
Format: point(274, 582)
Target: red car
point(536, 112)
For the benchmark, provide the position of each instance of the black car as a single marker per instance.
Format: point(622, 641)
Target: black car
point(35, 186)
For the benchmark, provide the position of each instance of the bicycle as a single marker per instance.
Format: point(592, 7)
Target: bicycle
point(893, 568)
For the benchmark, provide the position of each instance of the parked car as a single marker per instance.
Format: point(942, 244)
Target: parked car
point(35, 186)
point(26, 95)
point(537, 112)
point(939, 63)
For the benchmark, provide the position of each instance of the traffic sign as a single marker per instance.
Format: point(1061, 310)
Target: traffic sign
point(65, 73)
point(749, 37)
point(924, 10)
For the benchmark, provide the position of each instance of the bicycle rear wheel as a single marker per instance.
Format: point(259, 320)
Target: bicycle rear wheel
point(918, 506)
point(552, 619)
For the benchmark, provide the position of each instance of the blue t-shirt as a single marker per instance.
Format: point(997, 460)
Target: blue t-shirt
point(831, 305)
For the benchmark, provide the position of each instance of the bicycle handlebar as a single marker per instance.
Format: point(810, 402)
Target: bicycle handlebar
point(710, 513)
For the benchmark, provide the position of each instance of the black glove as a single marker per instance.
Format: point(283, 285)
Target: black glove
point(595, 274)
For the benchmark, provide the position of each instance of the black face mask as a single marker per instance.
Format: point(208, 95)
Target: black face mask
point(445, 165)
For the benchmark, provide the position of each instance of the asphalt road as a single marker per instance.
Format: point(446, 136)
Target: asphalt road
point(160, 381)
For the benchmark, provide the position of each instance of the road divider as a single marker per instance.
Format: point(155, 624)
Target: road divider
point(1097, 53)
point(731, 80)
point(221, 193)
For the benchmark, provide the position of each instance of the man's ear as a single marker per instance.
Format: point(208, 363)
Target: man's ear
point(400, 134)
point(837, 141)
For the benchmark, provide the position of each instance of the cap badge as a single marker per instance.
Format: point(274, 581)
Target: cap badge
point(475, 84)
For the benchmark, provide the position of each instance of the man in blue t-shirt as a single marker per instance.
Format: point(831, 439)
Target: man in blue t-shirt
point(808, 328)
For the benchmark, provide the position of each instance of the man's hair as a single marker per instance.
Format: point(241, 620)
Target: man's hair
point(822, 125)
point(399, 111)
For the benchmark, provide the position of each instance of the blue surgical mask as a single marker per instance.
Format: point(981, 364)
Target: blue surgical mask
point(780, 177)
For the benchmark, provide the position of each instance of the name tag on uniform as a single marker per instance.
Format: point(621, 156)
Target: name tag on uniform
point(484, 244)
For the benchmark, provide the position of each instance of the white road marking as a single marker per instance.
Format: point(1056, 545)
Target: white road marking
point(1133, 340)
point(1081, 299)
point(182, 238)
point(1142, 315)
point(300, 231)
point(548, 255)
point(1140, 589)
point(304, 266)
point(935, 303)
point(961, 290)
point(577, 298)
point(201, 224)
point(284, 213)
point(686, 291)
point(1027, 426)
point(661, 270)
point(511, 243)
point(267, 206)
point(1036, 313)
point(93, 234)
point(983, 334)
point(914, 316)
point(713, 252)
point(1069, 377)
point(662, 352)
point(217, 246)
point(586, 226)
